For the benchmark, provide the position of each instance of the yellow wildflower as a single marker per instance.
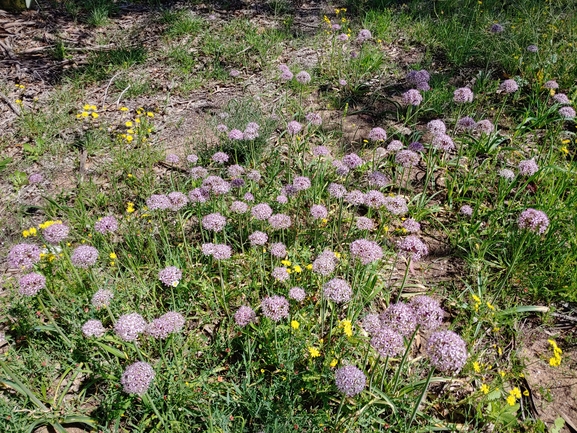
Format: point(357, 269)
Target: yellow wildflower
point(314, 352)
point(484, 389)
point(129, 124)
point(309, 267)
point(94, 115)
point(515, 392)
point(476, 367)
point(123, 108)
point(490, 306)
point(297, 269)
point(511, 400)
point(333, 363)
point(337, 255)
point(129, 138)
point(129, 207)
point(150, 114)
point(294, 324)
point(112, 256)
point(84, 114)
point(286, 262)
point(347, 327)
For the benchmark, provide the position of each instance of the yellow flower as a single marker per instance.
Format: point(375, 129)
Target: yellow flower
point(476, 298)
point(129, 124)
point(314, 352)
point(511, 400)
point(295, 324)
point(526, 393)
point(490, 306)
point(26, 233)
point(337, 255)
point(502, 373)
point(48, 223)
point(150, 114)
point(123, 108)
point(515, 392)
point(484, 389)
point(112, 256)
point(347, 327)
point(86, 107)
point(129, 207)
point(84, 114)
point(95, 115)
point(564, 150)
point(333, 363)
point(476, 367)
point(286, 262)
point(309, 267)
point(297, 269)
point(129, 138)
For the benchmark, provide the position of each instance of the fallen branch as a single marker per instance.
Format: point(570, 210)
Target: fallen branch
point(11, 104)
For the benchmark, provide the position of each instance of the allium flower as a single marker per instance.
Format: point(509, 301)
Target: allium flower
point(165, 325)
point(290, 190)
point(325, 263)
point(198, 173)
point(129, 326)
point(443, 142)
point(297, 294)
point(466, 210)
point(192, 158)
point(551, 84)
point(411, 225)
point(275, 307)
point(239, 207)
point(567, 112)
point(137, 377)
point(217, 185)
point(340, 168)
point(484, 127)
point(102, 298)
point(172, 158)
point(258, 238)
point(528, 167)
point(236, 134)
point(463, 95)
point(337, 290)
point(336, 190)
point(280, 274)
point(378, 179)
point(35, 178)
point(248, 197)
point(30, 284)
point(507, 174)
point(400, 317)
point(366, 251)
point(436, 126)
point(336, 27)
point(415, 146)
point(428, 312)
point(235, 170)
point(84, 256)
point(234, 73)
point(278, 249)
point(303, 77)
point(244, 315)
point(423, 86)
point(198, 195)
point(509, 86)
point(177, 200)
point(364, 35)
point(395, 146)
point(466, 124)
point(532, 48)
point(350, 380)
point(412, 97)
point(355, 197)
point(221, 252)
point(378, 134)
point(413, 247)
point(301, 183)
point(364, 223)
point(282, 199)
point(261, 211)
point(280, 221)
point(371, 323)
point(23, 256)
point(220, 157)
point(447, 351)
point(222, 128)
point(407, 158)
point(416, 77)
point(314, 119)
point(497, 28)
point(396, 205)
point(207, 249)
point(533, 220)
point(237, 183)
point(158, 202)
point(108, 224)
point(294, 127)
point(321, 151)
point(387, 342)
point(343, 37)
point(93, 328)
point(56, 232)
point(254, 176)
point(561, 98)
point(352, 160)
point(286, 75)
point(318, 211)
point(170, 276)
point(250, 133)
point(342, 82)
point(214, 222)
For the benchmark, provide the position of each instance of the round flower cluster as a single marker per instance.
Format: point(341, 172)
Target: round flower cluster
point(275, 307)
point(238, 207)
point(352, 161)
point(236, 134)
point(374, 199)
point(497, 28)
point(294, 127)
point(509, 86)
point(93, 328)
point(165, 325)
point(466, 123)
point(198, 173)
point(172, 158)
point(428, 312)
point(378, 179)
point(463, 95)
point(400, 317)
point(364, 223)
point(412, 97)
point(528, 167)
point(466, 210)
point(108, 224)
point(377, 134)
point(350, 380)
point(261, 211)
point(244, 315)
point(158, 202)
point(561, 98)
point(314, 119)
point(395, 146)
point(567, 112)
point(23, 256)
point(336, 190)
point(366, 251)
point(56, 232)
point(325, 263)
point(102, 298)
point(413, 247)
point(411, 225)
point(84, 256)
point(417, 78)
point(443, 142)
point(318, 211)
point(371, 323)
point(216, 184)
point(321, 151)
point(198, 195)
point(407, 158)
point(177, 200)
point(129, 326)
point(396, 205)
point(170, 276)
point(214, 222)
point(30, 284)
point(507, 174)
point(484, 126)
point(35, 178)
point(278, 249)
point(258, 238)
point(220, 157)
point(364, 35)
point(337, 290)
point(551, 84)
point(192, 158)
point(301, 183)
point(280, 274)
point(447, 351)
point(387, 342)
point(357, 198)
point(217, 251)
point(533, 220)
point(436, 126)
point(297, 294)
point(532, 48)
point(137, 377)
point(303, 77)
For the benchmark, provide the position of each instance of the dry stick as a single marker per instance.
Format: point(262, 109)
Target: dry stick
point(107, 87)
point(51, 47)
point(8, 102)
point(120, 97)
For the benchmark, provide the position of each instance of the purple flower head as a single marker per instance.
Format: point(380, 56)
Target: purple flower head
point(303, 77)
point(428, 312)
point(278, 249)
point(413, 247)
point(235, 170)
point(102, 298)
point(400, 317)
point(343, 37)
point(177, 200)
point(336, 27)
point(172, 158)
point(290, 190)
point(340, 168)
point(280, 221)
point(336, 190)
point(254, 176)
point(497, 28)
point(314, 119)
point(528, 167)
point(466, 210)
point(248, 197)
point(561, 98)
point(198, 173)
point(234, 73)
point(356, 197)
point(387, 342)
point(407, 158)
point(301, 183)
point(567, 112)
point(436, 126)
point(509, 86)
point(23, 256)
point(466, 124)
point(198, 195)
point(378, 179)
point(321, 151)
point(364, 223)
point(275, 307)
point(93, 328)
point(507, 174)
point(221, 252)
point(415, 146)
point(239, 207)
point(318, 211)
point(192, 158)
point(207, 249)
point(297, 294)
point(366, 251)
point(443, 142)
point(411, 225)
point(108, 224)
point(447, 351)
point(158, 202)
point(220, 157)
point(396, 205)
point(56, 233)
point(294, 127)
point(214, 222)
point(84, 256)
point(533, 220)
point(364, 35)
point(222, 128)
point(251, 134)
point(165, 325)
point(463, 95)
point(371, 323)
point(350, 380)
point(377, 134)
point(551, 84)
point(30, 284)
point(325, 263)
point(354, 54)
point(532, 48)
point(395, 146)
point(261, 211)
point(412, 97)
point(236, 134)
point(35, 178)
point(237, 183)
point(129, 326)
point(286, 75)
point(423, 86)
point(244, 316)
point(258, 238)
point(342, 82)
point(484, 127)
point(137, 377)
point(416, 77)
point(352, 161)
point(170, 276)
point(337, 290)
point(217, 185)
point(375, 199)
point(280, 273)
point(282, 199)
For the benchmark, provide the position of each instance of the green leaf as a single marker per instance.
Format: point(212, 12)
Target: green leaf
point(112, 350)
